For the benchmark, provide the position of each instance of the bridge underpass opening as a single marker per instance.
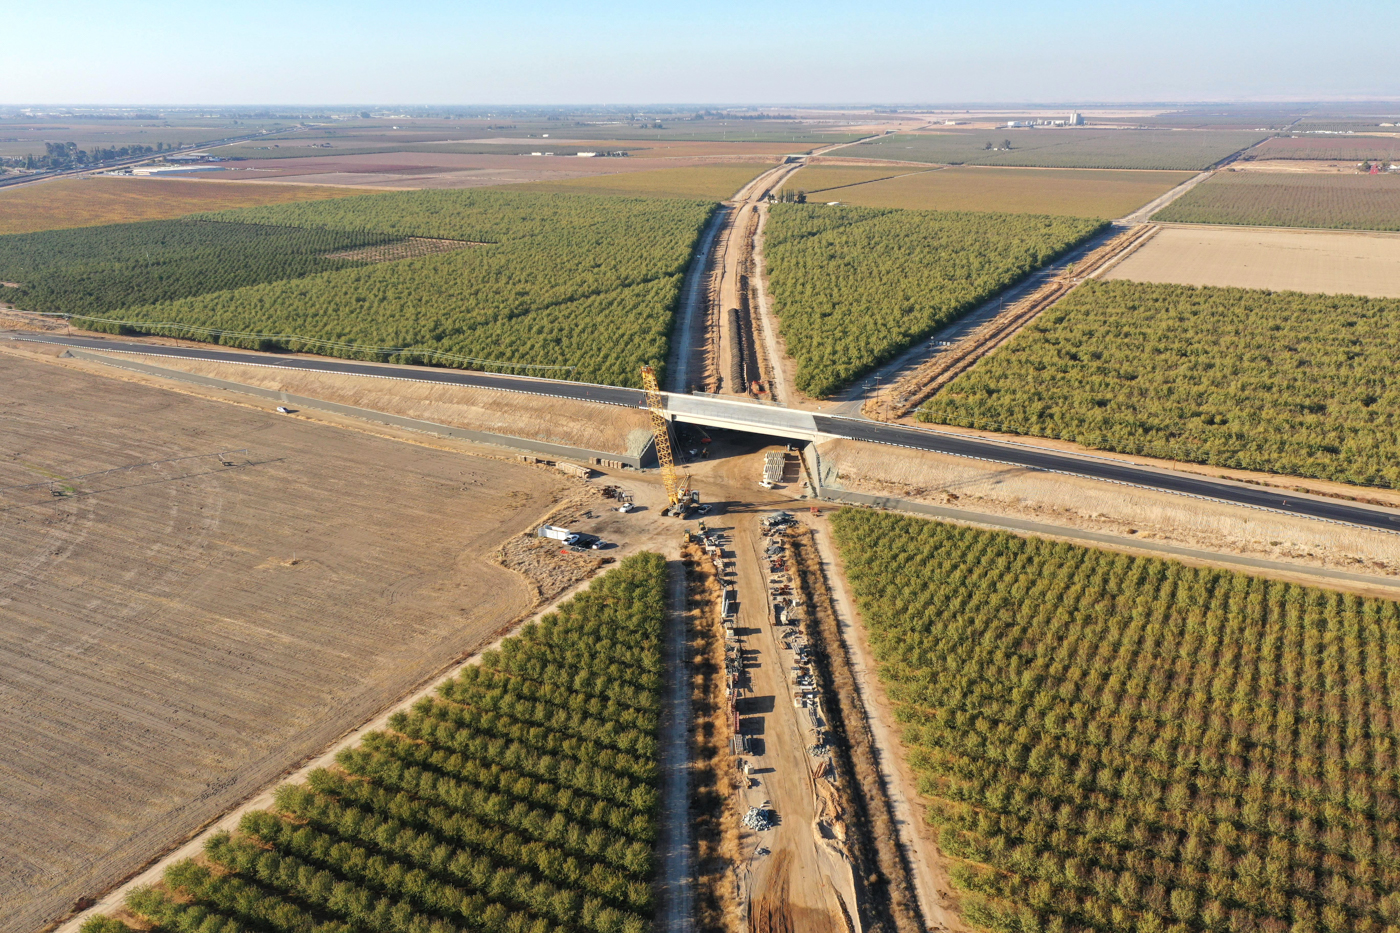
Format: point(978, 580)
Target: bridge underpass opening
point(730, 468)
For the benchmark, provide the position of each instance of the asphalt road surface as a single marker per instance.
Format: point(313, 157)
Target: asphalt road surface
point(1101, 468)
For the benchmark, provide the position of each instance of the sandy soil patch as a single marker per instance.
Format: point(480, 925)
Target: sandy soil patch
point(177, 635)
point(1257, 257)
point(1096, 506)
point(553, 420)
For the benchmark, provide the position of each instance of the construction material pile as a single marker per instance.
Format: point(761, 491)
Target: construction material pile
point(759, 819)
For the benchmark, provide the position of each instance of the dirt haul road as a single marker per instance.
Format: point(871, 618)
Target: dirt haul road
point(729, 257)
point(733, 344)
point(794, 876)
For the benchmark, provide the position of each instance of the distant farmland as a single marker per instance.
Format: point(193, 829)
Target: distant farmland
point(1070, 192)
point(1062, 148)
point(91, 202)
point(701, 182)
point(1345, 202)
point(1331, 148)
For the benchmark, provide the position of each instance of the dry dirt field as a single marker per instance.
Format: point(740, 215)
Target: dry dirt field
point(91, 202)
point(553, 420)
point(1073, 192)
point(432, 170)
point(175, 636)
point(1337, 263)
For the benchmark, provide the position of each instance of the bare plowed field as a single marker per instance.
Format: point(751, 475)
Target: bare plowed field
point(434, 169)
point(1281, 260)
point(177, 635)
point(1071, 192)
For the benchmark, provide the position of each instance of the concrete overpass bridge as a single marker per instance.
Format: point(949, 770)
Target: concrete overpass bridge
point(734, 413)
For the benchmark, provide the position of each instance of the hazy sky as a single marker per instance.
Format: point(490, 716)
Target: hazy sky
point(444, 52)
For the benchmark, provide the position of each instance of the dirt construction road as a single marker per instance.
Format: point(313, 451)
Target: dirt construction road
point(177, 635)
point(794, 876)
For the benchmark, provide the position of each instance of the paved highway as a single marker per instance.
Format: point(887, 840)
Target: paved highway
point(764, 418)
point(608, 395)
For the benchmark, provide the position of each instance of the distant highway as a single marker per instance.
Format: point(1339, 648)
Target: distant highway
point(793, 424)
point(17, 180)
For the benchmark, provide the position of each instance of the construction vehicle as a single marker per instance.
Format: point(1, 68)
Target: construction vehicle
point(680, 497)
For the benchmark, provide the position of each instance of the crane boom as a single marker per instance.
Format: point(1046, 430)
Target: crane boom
point(662, 432)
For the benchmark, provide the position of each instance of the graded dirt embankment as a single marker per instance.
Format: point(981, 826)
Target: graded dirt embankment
point(1333, 263)
point(587, 425)
point(179, 634)
point(1092, 505)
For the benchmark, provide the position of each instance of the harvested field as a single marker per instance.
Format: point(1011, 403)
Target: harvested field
point(553, 420)
point(92, 202)
point(178, 635)
point(1090, 505)
point(1067, 192)
point(704, 182)
point(1330, 148)
point(433, 169)
point(1304, 261)
point(1270, 199)
point(818, 175)
point(1061, 148)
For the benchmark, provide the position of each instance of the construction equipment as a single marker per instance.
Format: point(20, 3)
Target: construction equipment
point(678, 493)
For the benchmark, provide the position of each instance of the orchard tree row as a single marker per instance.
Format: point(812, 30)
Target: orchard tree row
point(521, 799)
point(1117, 743)
point(854, 286)
point(1281, 382)
point(585, 282)
point(101, 270)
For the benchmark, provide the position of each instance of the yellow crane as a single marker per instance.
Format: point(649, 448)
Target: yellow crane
point(677, 493)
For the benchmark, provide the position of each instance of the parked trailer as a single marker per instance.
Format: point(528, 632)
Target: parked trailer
point(557, 533)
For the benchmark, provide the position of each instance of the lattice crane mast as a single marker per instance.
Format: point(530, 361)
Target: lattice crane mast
point(661, 430)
